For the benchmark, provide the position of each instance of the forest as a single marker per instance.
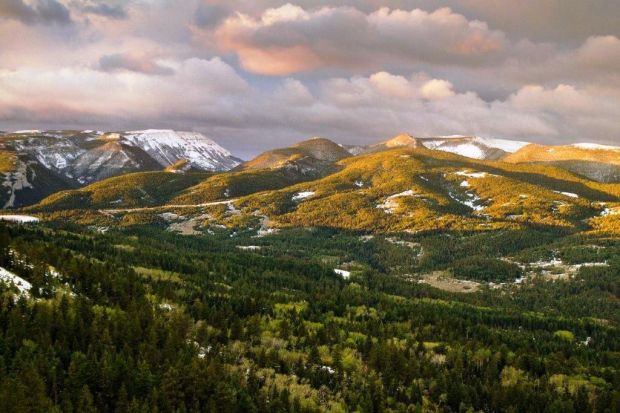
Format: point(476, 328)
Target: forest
point(140, 319)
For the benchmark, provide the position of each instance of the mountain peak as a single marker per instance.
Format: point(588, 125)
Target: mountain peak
point(404, 139)
point(322, 149)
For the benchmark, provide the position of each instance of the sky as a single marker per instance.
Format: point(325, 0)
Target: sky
point(259, 74)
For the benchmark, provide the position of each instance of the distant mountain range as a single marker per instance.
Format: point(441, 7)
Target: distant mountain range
point(35, 164)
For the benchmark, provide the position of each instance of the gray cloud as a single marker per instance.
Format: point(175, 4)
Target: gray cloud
point(341, 69)
point(209, 16)
point(112, 11)
point(133, 63)
point(40, 12)
point(291, 39)
point(559, 21)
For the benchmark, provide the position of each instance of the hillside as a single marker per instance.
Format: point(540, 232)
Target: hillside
point(420, 190)
point(470, 146)
point(138, 189)
point(35, 164)
point(416, 275)
point(597, 162)
point(311, 157)
point(25, 182)
point(412, 190)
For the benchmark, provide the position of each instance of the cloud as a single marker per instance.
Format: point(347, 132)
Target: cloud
point(209, 95)
point(39, 12)
point(112, 11)
point(353, 70)
point(78, 95)
point(436, 89)
point(291, 39)
point(209, 16)
point(135, 62)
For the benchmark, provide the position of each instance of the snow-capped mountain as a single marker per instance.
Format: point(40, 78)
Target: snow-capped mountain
point(67, 159)
point(471, 146)
point(168, 147)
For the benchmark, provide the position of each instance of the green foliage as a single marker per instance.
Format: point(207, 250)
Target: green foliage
point(145, 320)
point(486, 269)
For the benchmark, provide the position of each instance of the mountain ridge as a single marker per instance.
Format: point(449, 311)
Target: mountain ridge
point(76, 158)
point(35, 164)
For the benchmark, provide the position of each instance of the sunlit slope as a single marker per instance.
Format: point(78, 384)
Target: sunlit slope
point(405, 189)
point(239, 183)
point(312, 156)
point(597, 162)
point(421, 190)
point(127, 191)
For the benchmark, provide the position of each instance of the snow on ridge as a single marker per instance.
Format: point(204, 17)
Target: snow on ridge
point(168, 146)
point(26, 131)
point(505, 145)
point(469, 150)
point(595, 146)
point(473, 146)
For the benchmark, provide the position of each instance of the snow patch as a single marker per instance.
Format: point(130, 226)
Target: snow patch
point(610, 211)
point(302, 195)
point(22, 219)
point(26, 131)
point(249, 247)
point(476, 175)
point(344, 274)
point(568, 194)
point(471, 200)
point(22, 285)
point(390, 204)
point(596, 147)
point(505, 145)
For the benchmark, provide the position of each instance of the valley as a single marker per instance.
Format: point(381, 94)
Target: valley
point(399, 278)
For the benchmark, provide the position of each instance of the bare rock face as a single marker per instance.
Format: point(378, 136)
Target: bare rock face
point(42, 162)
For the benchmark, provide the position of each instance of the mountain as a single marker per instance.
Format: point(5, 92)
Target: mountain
point(138, 189)
point(417, 190)
point(311, 157)
point(404, 189)
point(471, 146)
point(35, 164)
point(474, 146)
point(271, 170)
point(399, 141)
point(598, 162)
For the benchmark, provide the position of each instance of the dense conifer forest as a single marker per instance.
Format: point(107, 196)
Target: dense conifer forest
point(143, 320)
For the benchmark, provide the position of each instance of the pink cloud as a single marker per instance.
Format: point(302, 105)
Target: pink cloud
point(290, 39)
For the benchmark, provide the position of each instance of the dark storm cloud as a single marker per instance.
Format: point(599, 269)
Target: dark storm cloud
point(40, 12)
